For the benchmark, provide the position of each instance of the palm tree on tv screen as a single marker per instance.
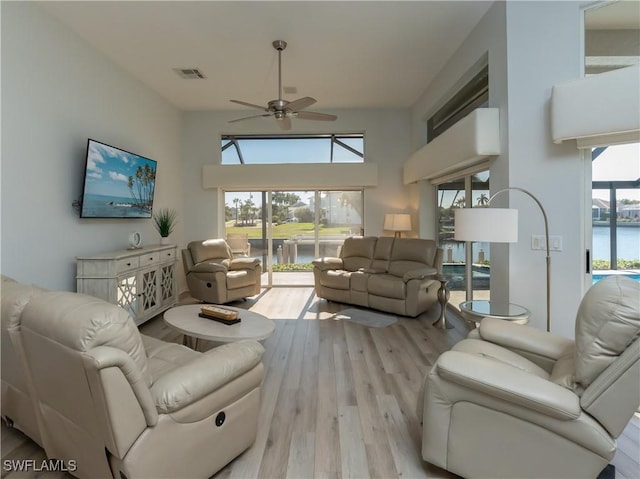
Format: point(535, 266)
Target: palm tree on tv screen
point(142, 185)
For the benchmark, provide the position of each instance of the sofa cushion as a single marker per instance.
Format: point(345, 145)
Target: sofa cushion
point(608, 321)
point(212, 249)
point(359, 281)
point(357, 252)
point(336, 279)
point(409, 254)
point(382, 254)
point(387, 285)
point(83, 322)
point(163, 357)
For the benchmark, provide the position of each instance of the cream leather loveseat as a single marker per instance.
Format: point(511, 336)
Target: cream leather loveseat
point(79, 379)
point(513, 402)
point(389, 274)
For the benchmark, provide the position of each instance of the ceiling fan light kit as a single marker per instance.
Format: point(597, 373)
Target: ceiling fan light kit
point(283, 110)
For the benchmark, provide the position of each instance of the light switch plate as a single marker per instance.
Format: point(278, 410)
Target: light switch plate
point(538, 242)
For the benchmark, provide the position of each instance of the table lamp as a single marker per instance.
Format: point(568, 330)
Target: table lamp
point(397, 222)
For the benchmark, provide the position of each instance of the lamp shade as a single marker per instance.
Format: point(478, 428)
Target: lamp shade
point(397, 222)
point(490, 225)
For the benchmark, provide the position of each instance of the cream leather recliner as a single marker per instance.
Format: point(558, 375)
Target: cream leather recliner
point(512, 401)
point(215, 276)
point(115, 403)
point(17, 402)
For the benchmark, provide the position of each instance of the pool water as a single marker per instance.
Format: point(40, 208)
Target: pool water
point(598, 276)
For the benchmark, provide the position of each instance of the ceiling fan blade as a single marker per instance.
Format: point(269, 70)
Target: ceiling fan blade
point(312, 115)
point(249, 104)
point(301, 103)
point(249, 117)
point(284, 123)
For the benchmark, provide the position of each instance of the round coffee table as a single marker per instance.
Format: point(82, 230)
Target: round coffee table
point(186, 320)
point(478, 309)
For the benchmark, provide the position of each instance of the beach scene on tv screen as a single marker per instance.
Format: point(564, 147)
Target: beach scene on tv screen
point(118, 184)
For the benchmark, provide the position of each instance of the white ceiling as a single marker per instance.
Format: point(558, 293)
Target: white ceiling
point(344, 54)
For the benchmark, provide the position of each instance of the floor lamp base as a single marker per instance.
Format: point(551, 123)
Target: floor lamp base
point(443, 299)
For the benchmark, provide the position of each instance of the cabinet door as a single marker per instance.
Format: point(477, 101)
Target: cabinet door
point(149, 291)
point(127, 293)
point(167, 283)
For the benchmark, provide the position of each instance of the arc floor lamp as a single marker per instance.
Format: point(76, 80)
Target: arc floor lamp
point(499, 225)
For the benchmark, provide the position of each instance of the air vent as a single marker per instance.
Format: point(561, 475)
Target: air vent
point(189, 73)
point(289, 90)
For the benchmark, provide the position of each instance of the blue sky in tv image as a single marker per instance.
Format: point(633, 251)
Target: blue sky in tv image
point(117, 183)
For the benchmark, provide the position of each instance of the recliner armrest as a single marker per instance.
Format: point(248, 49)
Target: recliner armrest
point(510, 384)
point(324, 264)
point(243, 263)
point(420, 273)
point(525, 339)
point(192, 381)
point(209, 268)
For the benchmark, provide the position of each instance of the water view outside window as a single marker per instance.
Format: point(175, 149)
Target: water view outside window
point(305, 225)
point(615, 210)
point(469, 191)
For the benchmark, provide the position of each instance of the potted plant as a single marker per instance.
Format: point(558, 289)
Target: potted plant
point(165, 221)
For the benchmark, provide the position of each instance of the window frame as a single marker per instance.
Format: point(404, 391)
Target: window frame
point(335, 138)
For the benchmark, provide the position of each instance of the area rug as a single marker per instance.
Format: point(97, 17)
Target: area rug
point(366, 317)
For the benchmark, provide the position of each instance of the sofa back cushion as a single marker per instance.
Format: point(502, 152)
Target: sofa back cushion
point(214, 250)
point(608, 321)
point(81, 323)
point(357, 252)
point(382, 253)
point(411, 253)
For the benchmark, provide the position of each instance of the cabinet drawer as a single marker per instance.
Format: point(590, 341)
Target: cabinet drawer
point(167, 255)
point(149, 259)
point(127, 264)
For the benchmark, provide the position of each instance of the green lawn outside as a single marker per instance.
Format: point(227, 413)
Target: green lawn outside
point(288, 230)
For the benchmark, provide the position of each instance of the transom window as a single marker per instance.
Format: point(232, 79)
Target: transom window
point(475, 94)
point(287, 149)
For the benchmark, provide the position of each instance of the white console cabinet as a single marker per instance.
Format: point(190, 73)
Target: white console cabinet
point(141, 281)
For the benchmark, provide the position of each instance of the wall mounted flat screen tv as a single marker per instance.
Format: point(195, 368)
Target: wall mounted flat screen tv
point(117, 183)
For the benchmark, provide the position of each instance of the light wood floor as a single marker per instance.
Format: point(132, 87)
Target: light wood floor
point(338, 399)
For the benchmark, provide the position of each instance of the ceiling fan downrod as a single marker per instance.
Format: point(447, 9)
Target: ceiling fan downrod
point(279, 45)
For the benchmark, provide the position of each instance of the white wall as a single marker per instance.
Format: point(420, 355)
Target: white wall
point(530, 47)
point(57, 91)
point(553, 173)
point(386, 143)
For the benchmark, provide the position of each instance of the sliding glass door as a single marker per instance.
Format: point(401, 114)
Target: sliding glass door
point(467, 265)
point(288, 229)
point(615, 211)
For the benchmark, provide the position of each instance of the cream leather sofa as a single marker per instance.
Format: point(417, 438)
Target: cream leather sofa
point(389, 274)
point(215, 276)
point(516, 402)
point(119, 404)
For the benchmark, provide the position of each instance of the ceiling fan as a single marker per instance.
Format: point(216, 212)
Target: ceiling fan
point(283, 110)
